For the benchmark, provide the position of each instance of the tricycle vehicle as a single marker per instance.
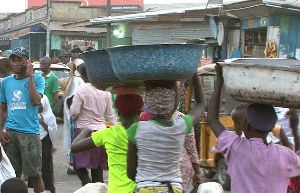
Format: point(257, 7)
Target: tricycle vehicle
point(211, 160)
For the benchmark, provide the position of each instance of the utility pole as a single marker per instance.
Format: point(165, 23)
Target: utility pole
point(48, 28)
point(108, 27)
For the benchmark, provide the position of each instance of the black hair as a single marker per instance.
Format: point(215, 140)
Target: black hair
point(47, 59)
point(242, 106)
point(82, 70)
point(14, 185)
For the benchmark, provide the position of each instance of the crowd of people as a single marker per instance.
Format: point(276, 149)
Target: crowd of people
point(151, 150)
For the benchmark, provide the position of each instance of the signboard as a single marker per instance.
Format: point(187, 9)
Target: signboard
point(126, 8)
point(117, 5)
point(55, 42)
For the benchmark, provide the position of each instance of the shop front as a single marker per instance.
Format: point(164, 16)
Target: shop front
point(269, 29)
point(33, 39)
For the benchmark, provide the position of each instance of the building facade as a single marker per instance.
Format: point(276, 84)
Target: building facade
point(29, 29)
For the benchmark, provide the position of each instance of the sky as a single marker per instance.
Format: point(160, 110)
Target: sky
point(9, 6)
point(15, 6)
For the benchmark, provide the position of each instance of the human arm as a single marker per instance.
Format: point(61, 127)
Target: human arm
point(213, 109)
point(75, 107)
point(199, 108)
point(190, 146)
point(42, 122)
point(197, 175)
point(3, 116)
point(34, 95)
point(284, 140)
point(55, 91)
point(279, 132)
point(110, 112)
point(294, 121)
point(55, 98)
point(132, 152)
point(83, 141)
point(131, 161)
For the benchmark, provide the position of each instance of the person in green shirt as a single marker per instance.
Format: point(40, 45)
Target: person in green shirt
point(115, 140)
point(51, 84)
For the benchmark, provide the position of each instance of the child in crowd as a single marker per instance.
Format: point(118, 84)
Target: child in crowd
point(155, 146)
point(238, 117)
point(254, 165)
point(14, 185)
point(277, 135)
point(189, 167)
point(115, 141)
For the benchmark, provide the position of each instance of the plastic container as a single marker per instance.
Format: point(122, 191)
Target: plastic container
point(131, 65)
point(270, 81)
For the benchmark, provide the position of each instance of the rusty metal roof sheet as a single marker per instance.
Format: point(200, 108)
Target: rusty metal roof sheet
point(261, 8)
point(182, 15)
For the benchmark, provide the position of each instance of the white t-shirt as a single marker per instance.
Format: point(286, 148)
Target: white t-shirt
point(49, 119)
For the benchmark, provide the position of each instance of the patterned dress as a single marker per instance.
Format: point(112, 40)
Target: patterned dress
point(189, 156)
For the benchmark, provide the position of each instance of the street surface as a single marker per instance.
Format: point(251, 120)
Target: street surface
point(68, 183)
point(65, 183)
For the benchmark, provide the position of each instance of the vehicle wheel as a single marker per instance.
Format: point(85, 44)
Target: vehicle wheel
point(222, 176)
point(208, 173)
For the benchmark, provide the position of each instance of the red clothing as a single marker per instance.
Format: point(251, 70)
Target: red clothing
point(294, 186)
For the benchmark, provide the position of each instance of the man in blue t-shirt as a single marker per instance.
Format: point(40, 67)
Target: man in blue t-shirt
point(20, 97)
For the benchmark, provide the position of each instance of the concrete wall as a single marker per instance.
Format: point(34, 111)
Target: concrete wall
point(73, 11)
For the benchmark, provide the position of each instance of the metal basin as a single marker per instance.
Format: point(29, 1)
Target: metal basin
point(131, 65)
point(270, 81)
point(99, 68)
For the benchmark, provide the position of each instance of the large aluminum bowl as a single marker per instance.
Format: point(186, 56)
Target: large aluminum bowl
point(130, 65)
point(99, 68)
point(269, 81)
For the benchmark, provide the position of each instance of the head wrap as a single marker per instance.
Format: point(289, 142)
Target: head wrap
point(210, 187)
point(78, 61)
point(261, 116)
point(129, 103)
point(160, 100)
point(169, 84)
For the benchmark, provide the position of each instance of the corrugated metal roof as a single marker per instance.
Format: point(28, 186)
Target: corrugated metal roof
point(260, 8)
point(179, 34)
point(183, 15)
point(59, 27)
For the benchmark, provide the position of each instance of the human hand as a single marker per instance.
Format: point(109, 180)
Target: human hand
point(0, 153)
point(290, 111)
point(41, 118)
point(4, 138)
point(196, 180)
point(29, 67)
point(294, 121)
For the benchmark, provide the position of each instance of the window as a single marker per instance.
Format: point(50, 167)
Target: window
point(255, 43)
